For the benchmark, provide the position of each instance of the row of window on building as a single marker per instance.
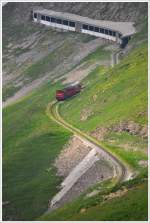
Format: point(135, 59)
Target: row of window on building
point(99, 30)
point(72, 24)
point(56, 20)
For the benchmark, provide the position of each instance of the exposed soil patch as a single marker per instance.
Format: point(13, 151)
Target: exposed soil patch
point(99, 133)
point(85, 114)
point(118, 193)
point(131, 127)
point(143, 163)
point(125, 126)
point(70, 156)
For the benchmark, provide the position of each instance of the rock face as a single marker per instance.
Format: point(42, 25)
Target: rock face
point(26, 44)
point(125, 126)
point(131, 127)
point(117, 11)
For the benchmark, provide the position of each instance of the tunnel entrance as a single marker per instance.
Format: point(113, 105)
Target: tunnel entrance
point(125, 41)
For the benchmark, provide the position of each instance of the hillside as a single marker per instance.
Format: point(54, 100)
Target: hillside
point(111, 108)
point(118, 115)
point(27, 46)
point(111, 207)
point(29, 178)
point(118, 120)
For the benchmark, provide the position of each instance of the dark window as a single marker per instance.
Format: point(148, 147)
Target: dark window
point(97, 29)
point(53, 20)
point(43, 17)
point(101, 30)
point(48, 18)
point(114, 33)
point(106, 31)
point(91, 28)
point(120, 35)
point(110, 32)
point(58, 21)
point(65, 22)
point(85, 27)
point(72, 24)
point(35, 15)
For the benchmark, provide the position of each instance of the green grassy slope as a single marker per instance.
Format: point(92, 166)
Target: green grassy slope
point(131, 206)
point(121, 96)
point(31, 142)
point(121, 93)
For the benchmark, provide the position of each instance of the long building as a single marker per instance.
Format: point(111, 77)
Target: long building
point(119, 32)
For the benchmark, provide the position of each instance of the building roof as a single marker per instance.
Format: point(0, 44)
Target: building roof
point(125, 28)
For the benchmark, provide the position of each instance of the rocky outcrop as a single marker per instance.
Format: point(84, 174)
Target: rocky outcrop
point(118, 11)
point(131, 127)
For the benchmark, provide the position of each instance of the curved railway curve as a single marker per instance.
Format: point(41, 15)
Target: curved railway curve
point(122, 171)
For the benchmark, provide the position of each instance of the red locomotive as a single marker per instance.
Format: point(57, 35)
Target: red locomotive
point(68, 92)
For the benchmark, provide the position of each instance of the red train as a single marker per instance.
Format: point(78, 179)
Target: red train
point(68, 92)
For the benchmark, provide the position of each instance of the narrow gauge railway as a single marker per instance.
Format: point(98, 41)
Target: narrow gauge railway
point(125, 172)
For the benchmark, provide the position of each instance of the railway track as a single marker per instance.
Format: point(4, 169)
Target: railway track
point(122, 171)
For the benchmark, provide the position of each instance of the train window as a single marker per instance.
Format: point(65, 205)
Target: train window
point(65, 22)
point(85, 27)
point(91, 28)
point(43, 17)
point(97, 29)
point(53, 19)
point(120, 35)
point(114, 33)
point(35, 15)
point(106, 31)
point(58, 21)
point(72, 24)
point(110, 32)
point(48, 18)
point(101, 30)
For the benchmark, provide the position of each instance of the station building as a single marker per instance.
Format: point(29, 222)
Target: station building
point(119, 32)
